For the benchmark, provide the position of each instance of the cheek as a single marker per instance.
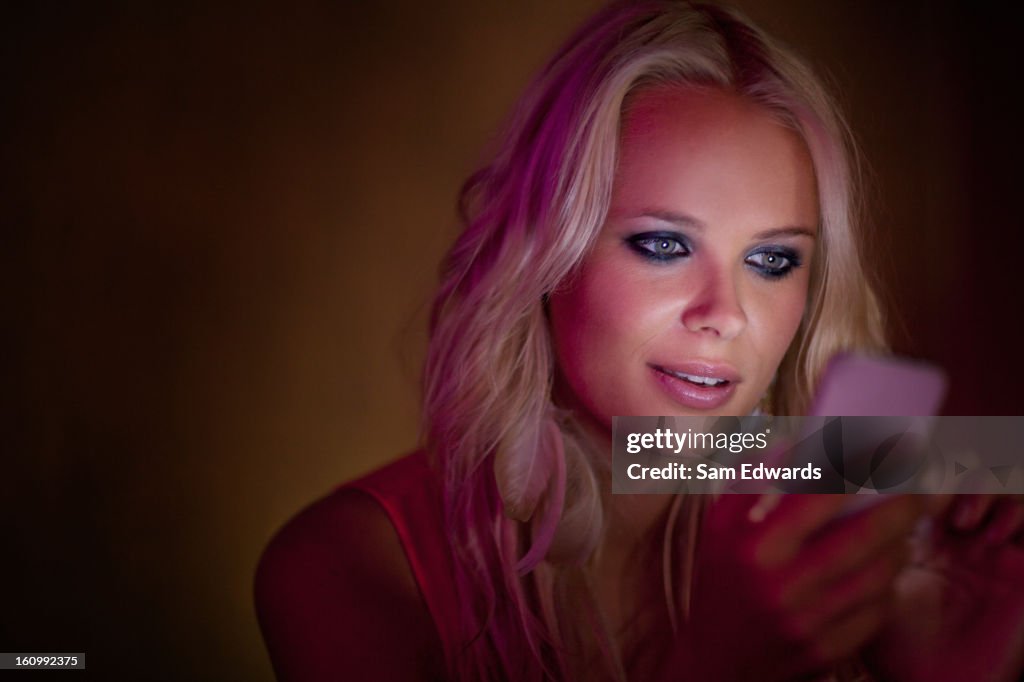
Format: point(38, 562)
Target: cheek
point(779, 317)
point(598, 323)
point(583, 317)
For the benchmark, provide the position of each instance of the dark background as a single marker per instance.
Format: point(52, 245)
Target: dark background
point(221, 227)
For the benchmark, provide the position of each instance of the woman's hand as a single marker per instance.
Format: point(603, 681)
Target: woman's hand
point(960, 607)
point(796, 592)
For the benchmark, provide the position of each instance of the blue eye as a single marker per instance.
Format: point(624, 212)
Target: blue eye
point(774, 262)
point(659, 246)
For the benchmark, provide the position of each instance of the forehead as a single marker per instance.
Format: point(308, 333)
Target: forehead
point(712, 154)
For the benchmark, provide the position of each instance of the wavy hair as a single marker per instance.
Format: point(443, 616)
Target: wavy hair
point(523, 498)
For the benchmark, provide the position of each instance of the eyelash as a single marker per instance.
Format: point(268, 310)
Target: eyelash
point(677, 247)
point(646, 243)
point(791, 258)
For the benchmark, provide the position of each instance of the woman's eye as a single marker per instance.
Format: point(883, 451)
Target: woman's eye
point(774, 263)
point(659, 247)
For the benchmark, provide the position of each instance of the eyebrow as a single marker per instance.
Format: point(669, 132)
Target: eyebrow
point(683, 220)
point(786, 232)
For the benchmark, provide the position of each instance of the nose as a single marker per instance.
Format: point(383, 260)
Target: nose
point(716, 307)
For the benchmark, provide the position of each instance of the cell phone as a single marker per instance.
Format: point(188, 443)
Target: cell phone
point(865, 386)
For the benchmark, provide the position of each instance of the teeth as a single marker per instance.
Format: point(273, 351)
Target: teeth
point(707, 381)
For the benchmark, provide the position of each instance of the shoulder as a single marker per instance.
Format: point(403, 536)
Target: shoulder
point(322, 586)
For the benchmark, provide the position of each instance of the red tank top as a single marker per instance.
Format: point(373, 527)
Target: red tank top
point(410, 494)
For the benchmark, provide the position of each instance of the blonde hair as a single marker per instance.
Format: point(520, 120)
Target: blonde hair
point(516, 473)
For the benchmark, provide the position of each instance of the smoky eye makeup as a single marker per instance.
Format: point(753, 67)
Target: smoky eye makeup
point(774, 261)
point(659, 246)
point(769, 261)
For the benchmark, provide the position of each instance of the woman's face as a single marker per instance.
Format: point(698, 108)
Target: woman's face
point(698, 280)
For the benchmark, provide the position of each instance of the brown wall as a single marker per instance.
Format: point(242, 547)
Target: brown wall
point(221, 231)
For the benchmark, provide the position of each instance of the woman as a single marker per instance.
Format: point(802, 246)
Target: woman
point(667, 228)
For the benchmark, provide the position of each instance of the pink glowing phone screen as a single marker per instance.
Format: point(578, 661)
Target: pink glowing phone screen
point(862, 386)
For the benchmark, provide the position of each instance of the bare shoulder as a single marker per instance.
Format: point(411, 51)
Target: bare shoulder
point(336, 598)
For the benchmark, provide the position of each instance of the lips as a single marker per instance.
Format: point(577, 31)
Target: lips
point(698, 384)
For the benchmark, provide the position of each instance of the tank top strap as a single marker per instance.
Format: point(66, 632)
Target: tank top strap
point(411, 495)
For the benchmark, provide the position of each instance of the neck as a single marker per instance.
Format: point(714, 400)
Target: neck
point(627, 566)
point(633, 522)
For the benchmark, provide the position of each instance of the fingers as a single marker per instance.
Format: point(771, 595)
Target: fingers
point(731, 511)
point(867, 583)
point(821, 585)
point(1006, 520)
point(968, 512)
point(794, 522)
point(997, 518)
point(855, 562)
point(859, 539)
point(794, 519)
point(823, 645)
